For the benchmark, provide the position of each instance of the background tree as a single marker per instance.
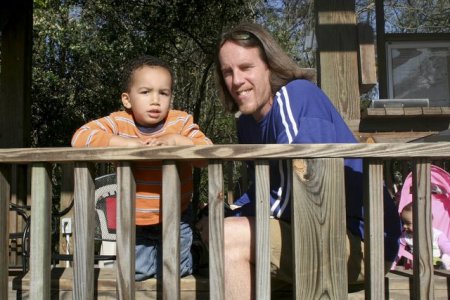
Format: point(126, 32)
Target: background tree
point(80, 47)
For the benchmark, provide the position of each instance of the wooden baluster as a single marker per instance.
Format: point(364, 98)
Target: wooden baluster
point(216, 236)
point(319, 229)
point(84, 197)
point(5, 189)
point(262, 274)
point(373, 229)
point(126, 233)
point(171, 198)
point(423, 281)
point(41, 194)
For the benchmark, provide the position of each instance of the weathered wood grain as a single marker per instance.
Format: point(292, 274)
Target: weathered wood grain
point(126, 233)
point(338, 54)
point(216, 230)
point(84, 205)
point(373, 229)
point(40, 249)
point(227, 152)
point(171, 198)
point(318, 222)
point(5, 188)
point(423, 236)
point(262, 274)
point(318, 228)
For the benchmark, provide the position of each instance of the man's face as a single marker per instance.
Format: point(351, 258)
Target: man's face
point(149, 96)
point(247, 78)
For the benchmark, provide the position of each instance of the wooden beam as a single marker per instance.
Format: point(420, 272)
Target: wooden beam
point(338, 55)
point(171, 216)
point(318, 229)
point(83, 257)
point(216, 230)
point(381, 51)
point(367, 58)
point(15, 77)
point(126, 237)
point(5, 187)
point(40, 249)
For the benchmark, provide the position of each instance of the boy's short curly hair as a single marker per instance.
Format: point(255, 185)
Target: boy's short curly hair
point(139, 62)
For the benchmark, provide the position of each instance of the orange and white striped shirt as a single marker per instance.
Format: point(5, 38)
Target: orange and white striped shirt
point(148, 175)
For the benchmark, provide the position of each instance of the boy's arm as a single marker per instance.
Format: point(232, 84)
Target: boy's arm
point(102, 132)
point(192, 131)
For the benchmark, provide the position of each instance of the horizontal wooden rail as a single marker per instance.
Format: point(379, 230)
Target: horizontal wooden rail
point(227, 152)
point(318, 215)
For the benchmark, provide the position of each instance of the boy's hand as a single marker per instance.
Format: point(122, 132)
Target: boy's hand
point(166, 140)
point(117, 141)
point(169, 140)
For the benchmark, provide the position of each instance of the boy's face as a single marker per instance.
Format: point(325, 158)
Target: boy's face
point(407, 219)
point(149, 95)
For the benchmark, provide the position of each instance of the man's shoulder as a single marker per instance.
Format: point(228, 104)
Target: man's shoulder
point(300, 84)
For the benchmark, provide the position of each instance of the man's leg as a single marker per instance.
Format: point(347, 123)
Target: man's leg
point(239, 258)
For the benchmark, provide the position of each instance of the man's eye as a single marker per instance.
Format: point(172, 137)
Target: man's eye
point(226, 73)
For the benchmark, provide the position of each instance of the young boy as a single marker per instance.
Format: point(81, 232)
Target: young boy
point(147, 120)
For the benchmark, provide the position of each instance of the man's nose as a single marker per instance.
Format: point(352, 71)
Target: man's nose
point(238, 77)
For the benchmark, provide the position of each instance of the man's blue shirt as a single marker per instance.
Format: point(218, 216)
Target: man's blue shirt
point(302, 114)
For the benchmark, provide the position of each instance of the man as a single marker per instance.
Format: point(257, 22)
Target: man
point(280, 105)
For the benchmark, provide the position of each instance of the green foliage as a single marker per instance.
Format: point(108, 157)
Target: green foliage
point(81, 46)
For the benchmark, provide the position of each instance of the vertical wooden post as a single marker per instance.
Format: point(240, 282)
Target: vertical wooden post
point(126, 232)
point(373, 230)
point(381, 50)
point(262, 255)
point(5, 189)
point(15, 77)
point(41, 193)
point(338, 56)
point(16, 23)
point(319, 229)
point(423, 282)
point(84, 232)
point(216, 231)
point(171, 216)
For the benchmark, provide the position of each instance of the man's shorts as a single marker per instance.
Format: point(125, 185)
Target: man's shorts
point(281, 255)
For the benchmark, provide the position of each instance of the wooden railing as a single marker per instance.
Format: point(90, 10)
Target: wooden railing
point(318, 215)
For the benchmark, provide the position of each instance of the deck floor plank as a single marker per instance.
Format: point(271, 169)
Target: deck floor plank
point(398, 286)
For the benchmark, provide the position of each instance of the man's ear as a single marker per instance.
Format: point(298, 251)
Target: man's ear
point(126, 100)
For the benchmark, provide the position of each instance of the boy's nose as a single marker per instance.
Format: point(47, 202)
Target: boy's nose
point(154, 99)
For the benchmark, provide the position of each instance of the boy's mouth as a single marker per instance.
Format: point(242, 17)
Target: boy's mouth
point(153, 113)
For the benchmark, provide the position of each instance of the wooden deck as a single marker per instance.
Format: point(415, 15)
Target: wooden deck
point(398, 286)
point(318, 213)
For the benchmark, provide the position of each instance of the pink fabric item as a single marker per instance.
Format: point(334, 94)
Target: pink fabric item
point(440, 206)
